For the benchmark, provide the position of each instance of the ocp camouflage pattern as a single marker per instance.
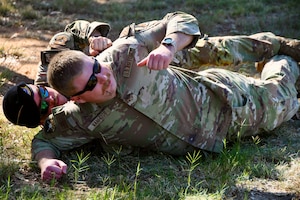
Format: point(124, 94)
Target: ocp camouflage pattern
point(178, 110)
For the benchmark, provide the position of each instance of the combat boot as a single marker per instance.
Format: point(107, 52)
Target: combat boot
point(289, 47)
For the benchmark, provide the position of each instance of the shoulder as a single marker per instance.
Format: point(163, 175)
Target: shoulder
point(69, 116)
point(68, 107)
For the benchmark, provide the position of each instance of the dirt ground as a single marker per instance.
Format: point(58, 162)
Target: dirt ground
point(21, 55)
point(30, 53)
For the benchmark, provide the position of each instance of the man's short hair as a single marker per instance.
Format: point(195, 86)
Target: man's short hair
point(62, 68)
point(19, 106)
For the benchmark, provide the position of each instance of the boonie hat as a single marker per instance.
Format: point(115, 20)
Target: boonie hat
point(19, 106)
point(102, 27)
point(62, 40)
point(83, 29)
point(78, 28)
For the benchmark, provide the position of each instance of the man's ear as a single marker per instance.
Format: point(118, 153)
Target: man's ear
point(77, 99)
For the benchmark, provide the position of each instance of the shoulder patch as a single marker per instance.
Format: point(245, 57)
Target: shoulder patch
point(62, 120)
point(49, 126)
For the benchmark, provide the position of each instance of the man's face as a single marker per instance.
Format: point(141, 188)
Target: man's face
point(96, 83)
point(46, 98)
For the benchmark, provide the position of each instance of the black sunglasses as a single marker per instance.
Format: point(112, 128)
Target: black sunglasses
point(92, 82)
point(44, 94)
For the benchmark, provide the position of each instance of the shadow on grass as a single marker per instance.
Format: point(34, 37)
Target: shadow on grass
point(9, 78)
point(261, 195)
point(166, 177)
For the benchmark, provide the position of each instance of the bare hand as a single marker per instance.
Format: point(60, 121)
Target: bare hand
point(159, 58)
point(98, 44)
point(52, 168)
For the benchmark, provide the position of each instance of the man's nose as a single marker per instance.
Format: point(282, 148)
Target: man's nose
point(102, 78)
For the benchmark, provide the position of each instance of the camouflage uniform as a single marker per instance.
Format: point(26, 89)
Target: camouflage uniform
point(75, 37)
point(174, 110)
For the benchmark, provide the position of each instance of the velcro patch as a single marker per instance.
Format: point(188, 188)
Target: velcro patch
point(49, 126)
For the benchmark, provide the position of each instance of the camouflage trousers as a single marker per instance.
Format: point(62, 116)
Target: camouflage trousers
point(259, 104)
point(228, 51)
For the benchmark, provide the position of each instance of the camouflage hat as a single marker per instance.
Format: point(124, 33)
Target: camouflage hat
point(19, 106)
point(102, 27)
point(78, 28)
point(62, 40)
point(83, 29)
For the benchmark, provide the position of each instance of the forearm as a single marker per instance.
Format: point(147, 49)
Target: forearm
point(41, 156)
point(50, 166)
point(152, 33)
point(161, 57)
point(181, 40)
point(180, 22)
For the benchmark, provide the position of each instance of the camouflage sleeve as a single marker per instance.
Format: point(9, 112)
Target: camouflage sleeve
point(56, 144)
point(184, 23)
point(41, 75)
point(38, 145)
point(151, 33)
point(229, 52)
point(63, 130)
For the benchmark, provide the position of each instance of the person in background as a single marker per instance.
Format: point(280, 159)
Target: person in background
point(90, 38)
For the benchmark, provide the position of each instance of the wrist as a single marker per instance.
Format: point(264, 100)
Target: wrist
point(169, 43)
point(44, 155)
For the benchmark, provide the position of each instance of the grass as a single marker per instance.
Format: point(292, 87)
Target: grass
point(221, 17)
point(261, 167)
point(242, 167)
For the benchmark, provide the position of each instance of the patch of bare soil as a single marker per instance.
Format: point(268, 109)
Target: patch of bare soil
point(20, 55)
